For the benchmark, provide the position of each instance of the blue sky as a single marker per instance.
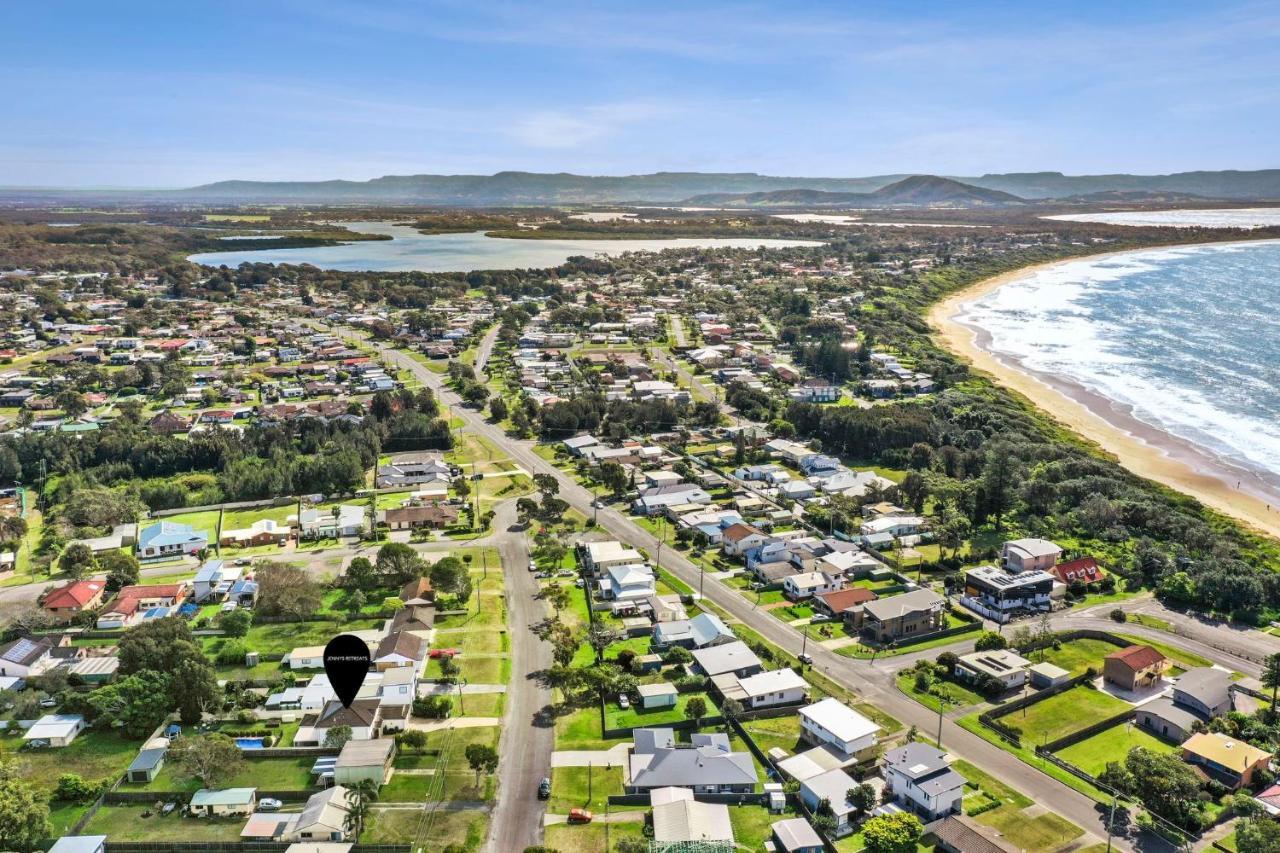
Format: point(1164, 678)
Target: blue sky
point(169, 93)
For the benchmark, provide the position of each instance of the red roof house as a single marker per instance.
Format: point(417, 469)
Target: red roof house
point(66, 601)
point(1084, 570)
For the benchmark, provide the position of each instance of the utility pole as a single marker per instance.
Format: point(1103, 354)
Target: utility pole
point(804, 644)
point(1111, 820)
point(462, 709)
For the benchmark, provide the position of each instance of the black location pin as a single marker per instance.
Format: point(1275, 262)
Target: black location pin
point(346, 662)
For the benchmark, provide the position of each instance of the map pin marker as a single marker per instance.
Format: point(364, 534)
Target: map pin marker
point(346, 661)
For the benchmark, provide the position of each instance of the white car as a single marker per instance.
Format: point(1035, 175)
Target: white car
point(269, 804)
point(624, 702)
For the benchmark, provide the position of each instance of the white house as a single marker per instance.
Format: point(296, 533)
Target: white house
point(320, 523)
point(628, 582)
point(832, 723)
point(601, 555)
point(921, 781)
point(57, 729)
point(804, 585)
point(770, 689)
point(893, 525)
point(1008, 668)
point(307, 657)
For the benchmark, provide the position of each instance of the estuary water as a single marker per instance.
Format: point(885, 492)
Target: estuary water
point(1186, 340)
point(409, 250)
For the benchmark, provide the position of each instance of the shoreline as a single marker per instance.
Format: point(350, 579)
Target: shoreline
point(1143, 449)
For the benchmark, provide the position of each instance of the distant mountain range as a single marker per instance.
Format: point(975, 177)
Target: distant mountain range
point(532, 188)
point(916, 191)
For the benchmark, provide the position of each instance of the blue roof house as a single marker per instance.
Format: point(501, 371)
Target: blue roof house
point(170, 539)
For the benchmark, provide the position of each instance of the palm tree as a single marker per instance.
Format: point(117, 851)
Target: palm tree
point(359, 796)
point(1271, 678)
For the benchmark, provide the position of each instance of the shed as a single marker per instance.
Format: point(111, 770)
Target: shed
point(79, 844)
point(1045, 675)
point(364, 759)
point(148, 763)
point(660, 695)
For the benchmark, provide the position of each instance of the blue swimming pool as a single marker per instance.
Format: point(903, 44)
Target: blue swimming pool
point(249, 743)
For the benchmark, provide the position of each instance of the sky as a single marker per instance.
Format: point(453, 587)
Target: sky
point(170, 94)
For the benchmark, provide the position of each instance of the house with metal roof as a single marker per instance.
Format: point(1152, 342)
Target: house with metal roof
point(735, 657)
point(922, 781)
point(170, 539)
point(223, 803)
point(832, 723)
point(831, 787)
point(678, 817)
point(796, 835)
point(706, 765)
point(146, 765)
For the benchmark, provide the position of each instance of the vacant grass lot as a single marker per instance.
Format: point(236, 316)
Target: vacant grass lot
point(1063, 714)
point(95, 755)
point(273, 774)
point(583, 788)
point(206, 521)
point(580, 729)
point(1114, 744)
point(781, 732)
point(282, 637)
point(1047, 832)
point(590, 837)
point(633, 717)
point(126, 823)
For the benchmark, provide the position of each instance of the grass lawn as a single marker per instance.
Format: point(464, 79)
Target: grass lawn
point(281, 637)
point(455, 780)
point(1047, 831)
point(478, 670)
point(407, 788)
point(241, 518)
point(583, 788)
point(1077, 655)
point(479, 705)
point(580, 729)
point(1113, 744)
point(782, 732)
point(94, 755)
point(957, 695)
point(272, 774)
point(751, 825)
point(616, 718)
point(489, 617)
point(206, 521)
point(1024, 754)
point(590, 837)
point(126, 823)
point(63, 816)
point(1173, 653)
point(1063, 714)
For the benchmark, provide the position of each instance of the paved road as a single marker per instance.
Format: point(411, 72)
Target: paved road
point(485, 350)
point(529, 736)
point(872, 680)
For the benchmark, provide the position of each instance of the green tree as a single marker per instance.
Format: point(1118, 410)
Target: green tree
point(24, 815)
point(360, 796)
point(695, 709)
point(236, 623)
point(138, 702)
point(361, 575)
point(1258, 835)
point(483, 758)
point(398, 564)
point(76, 560)
point(557, 595)
point(289, 591)
point(212, 759)
point(1271, 678)
point(122, 569)
point(999, 479)
point(450, 576)
point(337, 737)
point(412, 739)
point(893, 833)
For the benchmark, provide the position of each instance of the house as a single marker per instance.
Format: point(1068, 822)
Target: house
point(26, 657)
point(64, 603)
point(836, 602)
point(815, 390)
point(1082, 571)
point(224, 803)
point(666, 608)
point(706, 765)
point(910, 614)
point(1231, 762)
point(1008, 668)
point(657, 499)
point(804, 585)
point(679, 818)
point(831, 787)
point(660, 695)
point(307, 657)
point(433, 516)
point(739, 538)
point(702, 631)
point(764, 690)
point(400, 648)
point(170, 539)
point(1198, 696)
point(95, 670)
point(833, 724)
point(1134, 667)
point(795, 835)
point(430, 469)
point(365, 759)
point(56, 729)
point(735, 657)
point(363, 717)
point(1029, 555)
point(599, 556)
point(80, 844)
point(139, 601)
point(264, 531)
point(214, 580)
point(1000, 594)
point(796, 490)
point(922, 782)
point(320, 523)
point(146, 765)
point(892, 525)
point(323, 818)
point(579, 443)
point(167, 423)
point(960, 833)
point(628, 583)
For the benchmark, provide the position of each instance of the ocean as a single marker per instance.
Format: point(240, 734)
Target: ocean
point(1186, 339)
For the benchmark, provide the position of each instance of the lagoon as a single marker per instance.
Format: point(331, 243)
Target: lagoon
point(409, 251)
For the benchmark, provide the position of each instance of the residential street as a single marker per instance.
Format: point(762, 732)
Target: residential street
point(528, 736)
point(873, 680)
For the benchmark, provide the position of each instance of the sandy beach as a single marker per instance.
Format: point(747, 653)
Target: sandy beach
point(1143, 449)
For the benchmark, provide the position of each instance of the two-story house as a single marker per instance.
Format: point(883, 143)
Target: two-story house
point(833, 724)
point(1000, 594)
point(922, 782)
